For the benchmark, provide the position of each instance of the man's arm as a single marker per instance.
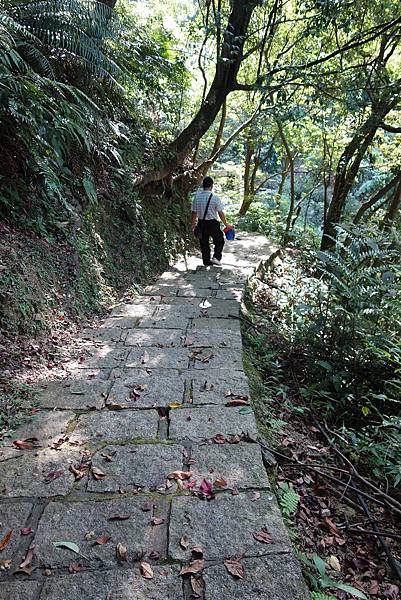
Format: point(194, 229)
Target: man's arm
point(223, 218)
point(194, 219)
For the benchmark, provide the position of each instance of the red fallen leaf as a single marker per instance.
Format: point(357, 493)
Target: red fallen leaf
point(374, 588)
point(234, 566)
point(195, 566)
point(27, 560)
point(98, 474)
point(26, 444)
point(121, 552)
point(26, 530)
point(189, 484)
point(263, 536)
point(220, 483)
point(154, 555)
point(219, 438)
point(103, 539)
point(146, 570)
point(206, 487)
point(119, 517)
point(181, 475)
point(53, 475)
point(144, 358)
point(254, 496)
point(197, 585)
point(76, 568)
point(6, 539)
point(158, 521)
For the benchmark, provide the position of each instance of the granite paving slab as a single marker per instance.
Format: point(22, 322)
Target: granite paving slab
point(134, 309)
point(240, 465)
point(110, 334)
point(166, 322)
point(160, 358)
point(121, 322)
point(105, 357)
point(115, 426)
point(136, 388)
point(162, 338)
point(225, 525)
point(267, 578)
point(218, 339)
point(13, 516)
point(41, 473)
point(74, 394)
point(200, 423)
point(216, 358)
point(218, 386)
point(212, 325)
point(46, 426)
point(230, 294)
point(114, 585)
point(19, 590)
point(144, 466)
point(84, 522)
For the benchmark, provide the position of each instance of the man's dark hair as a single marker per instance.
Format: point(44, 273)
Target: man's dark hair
point(207, 182)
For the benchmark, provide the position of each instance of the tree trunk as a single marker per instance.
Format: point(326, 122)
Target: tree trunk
point(392, 209)
point(247, 199)
point(290, 162)
point(223, 83)
point(380, 194)
point(347, 170)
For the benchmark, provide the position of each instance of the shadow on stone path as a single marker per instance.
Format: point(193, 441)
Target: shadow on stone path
point(151, 401)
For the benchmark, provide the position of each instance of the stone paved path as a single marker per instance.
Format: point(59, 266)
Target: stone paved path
point(138, 458)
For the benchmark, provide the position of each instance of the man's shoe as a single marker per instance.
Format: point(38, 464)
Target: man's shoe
point(208, 264)
point(214, 261)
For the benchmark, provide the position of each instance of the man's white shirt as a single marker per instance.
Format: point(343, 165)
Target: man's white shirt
point(199, 201)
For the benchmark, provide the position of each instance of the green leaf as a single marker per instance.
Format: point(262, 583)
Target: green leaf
point(350, 590)
point(245, 410)
point(319, 564)
point(68, 545)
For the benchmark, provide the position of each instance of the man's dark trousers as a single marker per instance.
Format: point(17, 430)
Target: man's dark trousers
point(211, 229)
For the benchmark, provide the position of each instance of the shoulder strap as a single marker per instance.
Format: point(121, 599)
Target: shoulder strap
point(207, 206)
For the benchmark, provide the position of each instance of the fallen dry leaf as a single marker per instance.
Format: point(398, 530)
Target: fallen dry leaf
point(119, 517)
point(195, 566)
point(263, 536)
point(254, 496)
point(5, 540)
point(220, 483)
point(197, 552)
point(79, 471)
point(49, 477)
point(5, 564)
point(184, 542)
point(147, 506)
point(26, 444)
point(154, 555)
point(234, 566)
point(158, 521)
point(75, 568)
point(197, 585)
point(181, 475)
point(334, 563)
point(121, 552)
point(206, 488)
point(27, 560)
point(219, 438)
point(103, 539)
point(89, 535)
point(238, 401)
point(26, 530)
point(98, 474)
point(146, 570)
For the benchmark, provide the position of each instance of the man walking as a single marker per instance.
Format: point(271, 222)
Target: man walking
point(205, 208)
